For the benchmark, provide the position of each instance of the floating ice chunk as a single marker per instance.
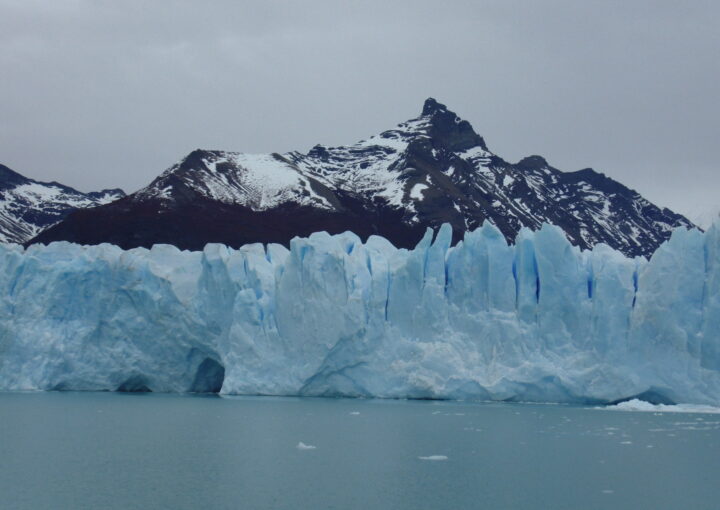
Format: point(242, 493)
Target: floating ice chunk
point(642, 406)
point(355, 413)
point(434, 457)
point(303, 446)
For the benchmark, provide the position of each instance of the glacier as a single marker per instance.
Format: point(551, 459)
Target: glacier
point(538, 320)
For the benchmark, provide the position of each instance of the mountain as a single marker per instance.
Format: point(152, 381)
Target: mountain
point(27, 206)
point(426, 171)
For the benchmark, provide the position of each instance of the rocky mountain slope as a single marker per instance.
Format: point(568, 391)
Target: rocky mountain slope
point(426, 171)
point(27, 207)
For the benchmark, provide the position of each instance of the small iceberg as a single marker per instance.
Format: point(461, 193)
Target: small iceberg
point(303, 446)
point(434, 457)
point(642, 406)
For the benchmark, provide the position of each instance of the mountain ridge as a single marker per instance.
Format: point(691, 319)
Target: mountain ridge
point(426, 171)
point(28, 206)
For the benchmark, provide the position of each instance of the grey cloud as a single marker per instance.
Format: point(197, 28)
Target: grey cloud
point(103, 94)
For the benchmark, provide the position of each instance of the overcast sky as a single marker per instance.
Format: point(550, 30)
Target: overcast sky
point(98, 94)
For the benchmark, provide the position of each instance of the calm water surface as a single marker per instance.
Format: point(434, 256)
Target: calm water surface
point(118, 451)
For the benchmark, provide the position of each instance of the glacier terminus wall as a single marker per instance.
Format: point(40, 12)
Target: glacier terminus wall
point(539, 320)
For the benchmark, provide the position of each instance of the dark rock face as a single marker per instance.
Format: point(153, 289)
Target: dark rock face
point(448, 131)
point(27, 206)
point(427, 171)
point(10, 178)
point(191, 226)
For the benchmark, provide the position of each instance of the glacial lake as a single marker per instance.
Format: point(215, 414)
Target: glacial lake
point(151, 451)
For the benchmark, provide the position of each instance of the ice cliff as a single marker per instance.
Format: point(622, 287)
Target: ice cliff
point(535, 321)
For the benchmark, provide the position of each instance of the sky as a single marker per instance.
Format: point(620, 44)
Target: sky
point(98, 94)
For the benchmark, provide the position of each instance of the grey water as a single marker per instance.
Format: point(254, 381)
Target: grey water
point(119, 451)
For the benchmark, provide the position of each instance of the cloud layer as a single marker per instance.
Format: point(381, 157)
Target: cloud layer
point(102, 94)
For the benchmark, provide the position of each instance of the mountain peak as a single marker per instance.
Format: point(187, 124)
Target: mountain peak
point(195, 158)
point(10, 178)
point(449, 129)
point(431, 107)
point(533, 162)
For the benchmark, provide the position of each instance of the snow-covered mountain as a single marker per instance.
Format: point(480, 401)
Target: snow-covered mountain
point(427, 171)
point(27, 207)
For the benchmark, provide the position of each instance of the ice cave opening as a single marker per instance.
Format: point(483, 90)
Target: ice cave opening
point(135, 384)
point(209, 377)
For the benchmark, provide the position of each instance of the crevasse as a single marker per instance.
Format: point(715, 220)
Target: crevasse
point(535, 321)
